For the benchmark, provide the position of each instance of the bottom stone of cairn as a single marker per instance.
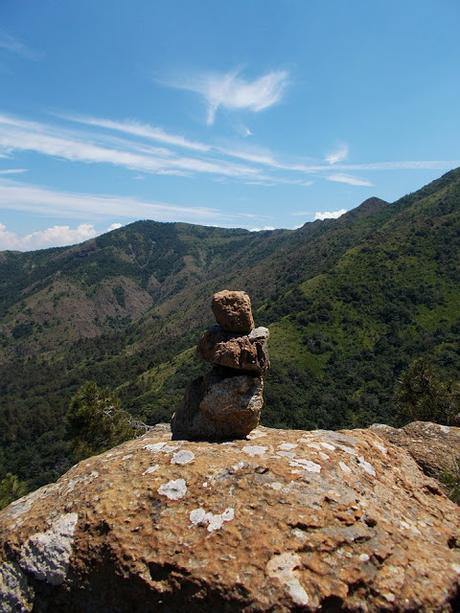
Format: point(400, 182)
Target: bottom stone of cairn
point(219, 407)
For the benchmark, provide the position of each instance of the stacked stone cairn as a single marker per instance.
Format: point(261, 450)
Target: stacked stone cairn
point(226, 402)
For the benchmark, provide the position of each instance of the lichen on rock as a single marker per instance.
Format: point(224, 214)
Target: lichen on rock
point(235, 527)
point(46, 555)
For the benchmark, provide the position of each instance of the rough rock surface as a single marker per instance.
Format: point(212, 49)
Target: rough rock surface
point(219, 407)
point(435, 448)
point(247, 353)
point(232, 311)
point(288, 520)
point(226, 402)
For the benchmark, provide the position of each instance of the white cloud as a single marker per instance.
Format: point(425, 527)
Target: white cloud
point(232, 92)
point(396, 165)
point(244, 131)
point(403, 165)
point(256, 156)
point(16, 134)
point(340, 154)
point(262, 229)
point(35, 199)
point(114, 226)
point(12, 171)
point(329, 214)
point(270, 181)
point(54, 236)
point(137, 128)
point(349, 180)
point(19, 135)
point(135, 152)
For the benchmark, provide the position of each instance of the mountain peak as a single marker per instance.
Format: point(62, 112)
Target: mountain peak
point(372, 204)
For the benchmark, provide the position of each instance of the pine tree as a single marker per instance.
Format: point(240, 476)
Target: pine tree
point(96, 422)
point(422, 395)
point(10, 489)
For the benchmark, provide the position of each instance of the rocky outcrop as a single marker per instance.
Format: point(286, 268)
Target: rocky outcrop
point(434, 447)
point(227, 402)
point(283, 521)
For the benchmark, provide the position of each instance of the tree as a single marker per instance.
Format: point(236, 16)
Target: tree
point(11, 488)
point(96, 422)
point(421, 394)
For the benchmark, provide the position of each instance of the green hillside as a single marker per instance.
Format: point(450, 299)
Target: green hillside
point(350, 303)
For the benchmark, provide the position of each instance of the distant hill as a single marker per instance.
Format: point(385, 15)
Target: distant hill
point(349, 302)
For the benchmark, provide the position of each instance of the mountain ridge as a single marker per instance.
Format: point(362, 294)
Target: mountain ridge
point(350, 302)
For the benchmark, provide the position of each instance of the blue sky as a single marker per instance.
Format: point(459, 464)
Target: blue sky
point(250, 113)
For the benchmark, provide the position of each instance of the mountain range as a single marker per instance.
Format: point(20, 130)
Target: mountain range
point(350, 303)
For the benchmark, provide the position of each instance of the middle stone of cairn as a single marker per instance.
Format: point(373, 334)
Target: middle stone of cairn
point(227, 401)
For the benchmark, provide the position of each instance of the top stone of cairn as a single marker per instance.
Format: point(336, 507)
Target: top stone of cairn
point(232, 311)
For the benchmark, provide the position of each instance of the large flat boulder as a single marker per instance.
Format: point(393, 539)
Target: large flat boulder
point(283, 521)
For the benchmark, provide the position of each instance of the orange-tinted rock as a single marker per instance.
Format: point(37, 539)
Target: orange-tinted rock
point(248, 353)
point(435, 448)
point(232, 310)
point(289, 520)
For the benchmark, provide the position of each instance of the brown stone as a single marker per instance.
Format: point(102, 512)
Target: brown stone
point(218, 407)
point(288, 521)
point(435, 448)
point(232, 310)
point(247, 353)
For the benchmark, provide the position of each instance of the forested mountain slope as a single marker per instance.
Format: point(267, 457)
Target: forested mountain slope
point(350, 303)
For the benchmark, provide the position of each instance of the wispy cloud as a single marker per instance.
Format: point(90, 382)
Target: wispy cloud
point(128, 144)
point(12, 171)
point(55, 236)
point(13, 45)
point(329, 214)
point(243, 130)
point(402, 165)
point(150, 132)
point(338, 155)
point(20, 135)
point(270, 181)
point(233, 92)
point(137, 128)
point(253, 155)
point(349, 180)
point(36, 199)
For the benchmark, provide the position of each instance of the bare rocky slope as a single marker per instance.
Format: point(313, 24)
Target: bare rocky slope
point(281, 521)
